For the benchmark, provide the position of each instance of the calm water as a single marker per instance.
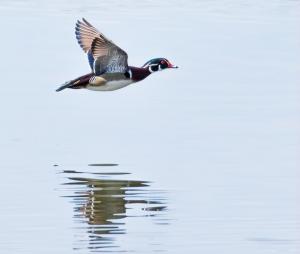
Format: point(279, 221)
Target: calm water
point(203, 159)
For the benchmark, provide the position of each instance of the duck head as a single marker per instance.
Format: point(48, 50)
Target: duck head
point(158, 64)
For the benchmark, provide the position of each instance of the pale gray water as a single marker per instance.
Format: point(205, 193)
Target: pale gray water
point(203, 159)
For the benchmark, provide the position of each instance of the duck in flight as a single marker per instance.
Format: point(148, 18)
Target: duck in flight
point(108, 62)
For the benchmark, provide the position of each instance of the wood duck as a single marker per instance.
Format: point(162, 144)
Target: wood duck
point(108, 62)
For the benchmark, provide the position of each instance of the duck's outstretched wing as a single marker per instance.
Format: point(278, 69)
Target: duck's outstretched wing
point(104, 56)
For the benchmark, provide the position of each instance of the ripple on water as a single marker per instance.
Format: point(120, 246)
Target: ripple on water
point(102, 202)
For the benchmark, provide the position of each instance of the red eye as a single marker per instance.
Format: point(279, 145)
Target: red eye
point(162, 62)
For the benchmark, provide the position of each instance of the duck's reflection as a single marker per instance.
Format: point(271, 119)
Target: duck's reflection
point(103, 204)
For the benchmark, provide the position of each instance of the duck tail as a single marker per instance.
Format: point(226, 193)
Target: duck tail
point(77, 83)
point(64, 86)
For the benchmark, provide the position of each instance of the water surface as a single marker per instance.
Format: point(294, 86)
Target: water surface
point(102, 206)
point(202, 159)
